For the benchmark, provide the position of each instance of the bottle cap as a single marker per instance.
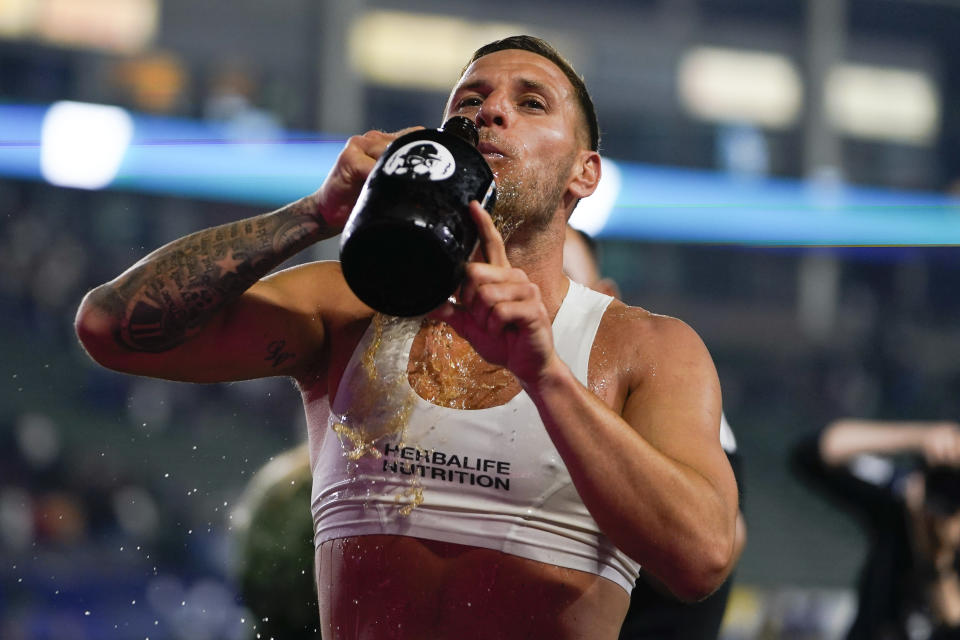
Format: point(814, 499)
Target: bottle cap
point(462, 127)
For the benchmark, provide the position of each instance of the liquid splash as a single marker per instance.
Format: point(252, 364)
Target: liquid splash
point(413, 493)
point(380, 399)
point(361, 446)
point(454, 375)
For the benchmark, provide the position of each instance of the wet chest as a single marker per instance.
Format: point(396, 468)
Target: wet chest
point(445, 370)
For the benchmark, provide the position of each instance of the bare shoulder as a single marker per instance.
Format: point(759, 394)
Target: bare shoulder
point(637, 349)
point(635, 330)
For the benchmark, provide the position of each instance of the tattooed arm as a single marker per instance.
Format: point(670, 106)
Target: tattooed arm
point(191, 289)
point(200, 309)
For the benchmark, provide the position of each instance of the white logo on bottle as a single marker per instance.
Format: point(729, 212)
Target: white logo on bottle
point(421, 160)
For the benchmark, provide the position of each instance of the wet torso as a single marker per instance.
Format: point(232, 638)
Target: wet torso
point(395, 587)
point(384, 586)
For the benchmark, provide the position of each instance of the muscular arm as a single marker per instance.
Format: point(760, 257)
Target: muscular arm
point(652, 474)
point(166, 297)
point(654, 478)
point(179, 290)
point(199, 309)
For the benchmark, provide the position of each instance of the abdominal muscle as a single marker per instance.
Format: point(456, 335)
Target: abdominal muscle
point(383, 587)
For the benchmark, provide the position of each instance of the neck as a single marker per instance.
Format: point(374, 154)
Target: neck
point(539, 252)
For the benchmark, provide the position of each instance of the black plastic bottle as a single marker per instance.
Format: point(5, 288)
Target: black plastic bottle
point(406, 243)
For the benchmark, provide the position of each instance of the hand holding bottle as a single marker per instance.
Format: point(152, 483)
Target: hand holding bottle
point(406, 243)
point(338, 194)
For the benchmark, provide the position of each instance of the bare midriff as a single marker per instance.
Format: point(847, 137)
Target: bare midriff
point(383, 587)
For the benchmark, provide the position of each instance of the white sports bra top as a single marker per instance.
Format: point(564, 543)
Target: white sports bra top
point(386, 461)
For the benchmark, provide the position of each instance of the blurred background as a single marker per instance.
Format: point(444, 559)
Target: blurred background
point(781, 175)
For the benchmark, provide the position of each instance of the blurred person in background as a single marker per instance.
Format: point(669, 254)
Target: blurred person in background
point(581, 262)
point(901, 479)
point(544, 487)
point(654, 613)
point(274, 557)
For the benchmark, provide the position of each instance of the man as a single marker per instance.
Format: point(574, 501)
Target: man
point(654, 613)
point(901, 479)
point(468, 481)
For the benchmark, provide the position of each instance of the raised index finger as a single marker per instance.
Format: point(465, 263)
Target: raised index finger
point(491, 242)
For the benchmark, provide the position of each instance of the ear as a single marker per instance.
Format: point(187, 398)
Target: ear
point(585, 174)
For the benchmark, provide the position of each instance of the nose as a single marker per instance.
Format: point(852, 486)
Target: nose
point(494, 111)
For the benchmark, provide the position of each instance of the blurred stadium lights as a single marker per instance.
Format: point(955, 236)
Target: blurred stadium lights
point(740, 86)
point(410, 50)
point(899, 105)
point(82, 145)
point(17, 18)
point(641, 202)
point(155, 81)
point(765, 89)
point(114, 25)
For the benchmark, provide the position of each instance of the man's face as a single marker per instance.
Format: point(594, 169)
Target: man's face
point(528, 119)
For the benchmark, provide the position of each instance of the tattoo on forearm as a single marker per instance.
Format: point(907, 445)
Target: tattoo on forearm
point(170, 294)
point(276, 354)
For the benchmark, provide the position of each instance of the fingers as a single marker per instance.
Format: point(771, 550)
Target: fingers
point(488, 296)
point(361, 152)
point(491, 242)
point(493, 306)
point(512, 315)
point(942, 445)
point(484, 277)
point(499, 311)
point(403, 132)
point(374, 143)
point(339, 192)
